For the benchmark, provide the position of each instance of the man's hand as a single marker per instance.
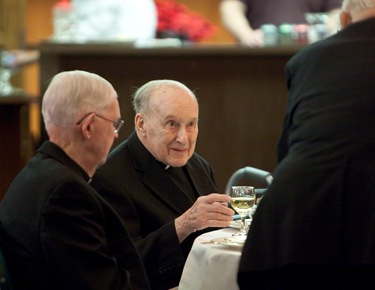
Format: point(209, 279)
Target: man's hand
point(252, 38)
point(208, 211)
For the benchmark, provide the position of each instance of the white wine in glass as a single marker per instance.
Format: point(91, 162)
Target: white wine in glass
point(243, 200)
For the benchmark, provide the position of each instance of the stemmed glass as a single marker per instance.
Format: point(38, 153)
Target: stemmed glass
point(243, 200)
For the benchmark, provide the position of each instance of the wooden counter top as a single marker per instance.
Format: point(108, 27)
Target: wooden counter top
point(120, 48)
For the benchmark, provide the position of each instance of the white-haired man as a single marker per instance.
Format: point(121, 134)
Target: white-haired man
point(56, 231)
point(164, 191)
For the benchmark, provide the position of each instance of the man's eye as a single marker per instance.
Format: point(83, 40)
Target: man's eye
point(192, 124)
point(171, 124)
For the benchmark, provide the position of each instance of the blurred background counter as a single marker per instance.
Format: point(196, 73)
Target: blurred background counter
point(242, 92)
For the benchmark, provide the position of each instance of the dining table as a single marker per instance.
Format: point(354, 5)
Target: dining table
point(212, 262)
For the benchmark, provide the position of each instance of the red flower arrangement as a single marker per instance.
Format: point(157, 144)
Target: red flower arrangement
point(175, 20)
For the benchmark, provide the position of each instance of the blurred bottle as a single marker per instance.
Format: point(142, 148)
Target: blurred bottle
point(270, 34)
point(301, 33)
point(7, 69)
point(318, 26)
point(63, 21)
point(286, 34)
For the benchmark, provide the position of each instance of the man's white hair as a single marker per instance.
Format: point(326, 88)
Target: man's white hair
point(72, 94)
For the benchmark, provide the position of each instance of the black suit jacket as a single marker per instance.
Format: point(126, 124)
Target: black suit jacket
point(148, 200)
point(58, 233)
point(315, 226)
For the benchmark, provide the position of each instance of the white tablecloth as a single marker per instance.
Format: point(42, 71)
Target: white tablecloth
point(211, 266)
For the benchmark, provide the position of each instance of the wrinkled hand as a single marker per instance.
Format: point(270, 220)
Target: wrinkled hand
point(208, 211)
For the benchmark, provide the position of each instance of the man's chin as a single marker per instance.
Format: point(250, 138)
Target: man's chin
point(101, 163)
point(178, 163)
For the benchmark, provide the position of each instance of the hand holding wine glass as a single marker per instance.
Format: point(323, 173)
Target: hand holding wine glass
point(243, 199)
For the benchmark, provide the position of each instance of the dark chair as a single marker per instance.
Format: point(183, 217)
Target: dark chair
point(5, 283)
point(248, 175)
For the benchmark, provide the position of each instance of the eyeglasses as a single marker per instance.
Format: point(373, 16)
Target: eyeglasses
point(117, 124)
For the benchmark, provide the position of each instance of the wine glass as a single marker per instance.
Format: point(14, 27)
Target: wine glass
point(243, 200)
point(7, 70)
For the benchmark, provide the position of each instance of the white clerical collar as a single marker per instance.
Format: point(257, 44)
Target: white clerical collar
point(166, 167)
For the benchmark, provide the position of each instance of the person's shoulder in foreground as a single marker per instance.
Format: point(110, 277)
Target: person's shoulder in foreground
point(161, 188)
point(313, 227)
point(56, 231)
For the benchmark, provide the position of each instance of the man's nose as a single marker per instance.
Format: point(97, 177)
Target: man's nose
point(182, 134)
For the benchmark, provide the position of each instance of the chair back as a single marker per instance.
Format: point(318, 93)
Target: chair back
point(261, 179)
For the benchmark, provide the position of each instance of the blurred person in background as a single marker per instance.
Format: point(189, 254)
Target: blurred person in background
point(243, 18)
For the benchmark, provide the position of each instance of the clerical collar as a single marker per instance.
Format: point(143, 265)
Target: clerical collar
point(162, 165)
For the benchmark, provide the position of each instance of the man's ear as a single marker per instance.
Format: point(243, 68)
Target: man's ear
point(139, 122)
point(87, 126)
point(345, 19)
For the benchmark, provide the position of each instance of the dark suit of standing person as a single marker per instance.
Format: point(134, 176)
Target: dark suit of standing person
point(57, 232)
point(315, 226)
point(159, 185)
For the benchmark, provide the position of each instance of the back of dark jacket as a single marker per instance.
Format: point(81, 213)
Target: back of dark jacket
point(58, 233)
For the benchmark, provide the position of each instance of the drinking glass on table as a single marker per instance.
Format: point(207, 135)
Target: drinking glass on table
point(243, 200)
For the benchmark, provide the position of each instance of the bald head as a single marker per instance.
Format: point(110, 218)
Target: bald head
point(152, 89)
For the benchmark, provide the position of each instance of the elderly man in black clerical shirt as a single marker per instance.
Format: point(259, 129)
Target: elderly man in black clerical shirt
point(164, 191)
point(57, 232)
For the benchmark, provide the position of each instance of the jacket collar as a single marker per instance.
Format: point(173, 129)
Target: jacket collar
point(59, 154)
point(157, 179)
